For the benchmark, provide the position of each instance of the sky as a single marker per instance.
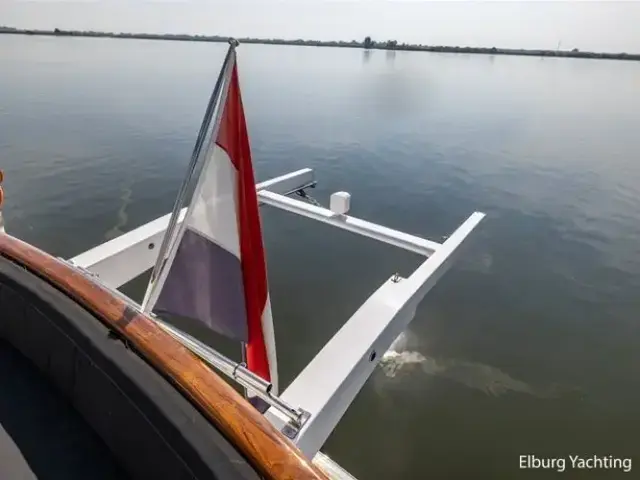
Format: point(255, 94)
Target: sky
point(610, 26)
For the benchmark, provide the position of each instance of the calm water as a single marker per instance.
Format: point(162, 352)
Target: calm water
point(530, 344)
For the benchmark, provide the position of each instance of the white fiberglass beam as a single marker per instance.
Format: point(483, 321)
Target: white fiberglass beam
point(330, 382)
point(356, 225)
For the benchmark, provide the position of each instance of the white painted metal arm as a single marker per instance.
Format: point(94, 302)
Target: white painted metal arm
point(124, 258)
point(328, 385)
point(352, 224)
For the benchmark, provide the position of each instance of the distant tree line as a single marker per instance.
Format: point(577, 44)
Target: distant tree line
point(367, 43)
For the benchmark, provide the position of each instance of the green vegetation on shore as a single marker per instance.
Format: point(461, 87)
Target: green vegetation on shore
point(368, 43)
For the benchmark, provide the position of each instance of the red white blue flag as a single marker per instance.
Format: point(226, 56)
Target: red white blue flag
point(217, 271)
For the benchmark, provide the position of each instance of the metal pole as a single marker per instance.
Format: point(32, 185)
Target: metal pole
point(233, 370)
point(195, 156)
point(243, 354)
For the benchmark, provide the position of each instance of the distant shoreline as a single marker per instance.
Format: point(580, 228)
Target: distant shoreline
point(368, 44)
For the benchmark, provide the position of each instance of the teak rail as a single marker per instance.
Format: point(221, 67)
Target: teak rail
point(270, 453)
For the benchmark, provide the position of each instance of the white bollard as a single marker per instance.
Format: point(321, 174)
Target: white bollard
point(340, 202)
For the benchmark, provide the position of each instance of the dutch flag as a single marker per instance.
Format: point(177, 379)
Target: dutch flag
point(215, 270)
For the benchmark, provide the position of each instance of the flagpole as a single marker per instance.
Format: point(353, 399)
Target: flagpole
point(195, 157)
point(243, 350)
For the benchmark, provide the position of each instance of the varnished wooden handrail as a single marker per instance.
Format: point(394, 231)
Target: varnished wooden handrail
point(270, 453)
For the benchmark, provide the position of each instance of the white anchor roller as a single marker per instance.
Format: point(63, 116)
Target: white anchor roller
point(340, 202)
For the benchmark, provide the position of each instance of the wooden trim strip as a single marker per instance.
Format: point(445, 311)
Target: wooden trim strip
point(270, 453)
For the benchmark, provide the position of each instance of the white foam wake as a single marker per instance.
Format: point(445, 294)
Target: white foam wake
point(398, 357)
point(485, 378)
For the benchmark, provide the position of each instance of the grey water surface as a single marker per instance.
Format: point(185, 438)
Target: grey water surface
point(529, 345)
